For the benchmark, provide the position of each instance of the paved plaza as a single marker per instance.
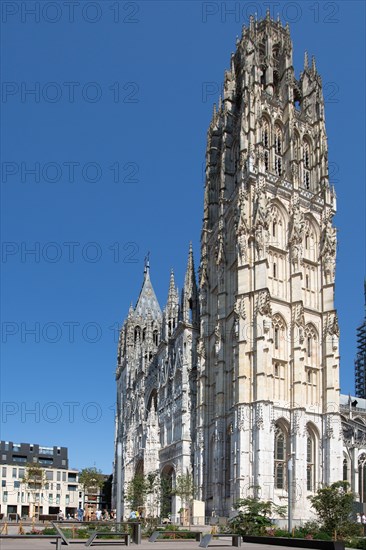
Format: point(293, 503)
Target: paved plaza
point(38, 544)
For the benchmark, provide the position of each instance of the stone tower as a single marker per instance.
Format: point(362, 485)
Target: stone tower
point(268, 356)
point(136, 420)
point(156, 389)
point(237, 381)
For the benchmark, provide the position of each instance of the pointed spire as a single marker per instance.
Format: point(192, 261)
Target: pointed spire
point(190, 257)
point(172, 289)
point(214, 110)
point(306, 60)
point(313, 65)
point(232, 64)
point(268, 14)
point(220, 103)
point(172, 306)
point(131, 310)
point(147, 300)
point(147, 265)
point(189, 306)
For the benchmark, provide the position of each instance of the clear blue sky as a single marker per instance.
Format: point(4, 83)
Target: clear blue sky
point(117, 125)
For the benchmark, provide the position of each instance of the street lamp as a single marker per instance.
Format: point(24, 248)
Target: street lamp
point(119, 483)
point(289, 490)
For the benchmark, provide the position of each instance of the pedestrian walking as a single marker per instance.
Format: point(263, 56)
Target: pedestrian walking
point(363, 521)
point(80, 514)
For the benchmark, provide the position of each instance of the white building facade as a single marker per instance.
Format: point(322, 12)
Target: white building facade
point(60, 490)
point(241, 376)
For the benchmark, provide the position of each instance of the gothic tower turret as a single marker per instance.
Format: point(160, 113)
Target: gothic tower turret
point(189, 303)
point(137, 347)
point(268, 353)
point(171, 309)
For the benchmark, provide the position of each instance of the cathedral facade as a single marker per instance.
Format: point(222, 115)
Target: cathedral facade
point(237, 380)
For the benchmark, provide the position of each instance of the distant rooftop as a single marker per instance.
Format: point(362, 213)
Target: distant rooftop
point(345, 400)
point(23, 453)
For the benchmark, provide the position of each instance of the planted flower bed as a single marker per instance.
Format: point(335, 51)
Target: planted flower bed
point(295, 542)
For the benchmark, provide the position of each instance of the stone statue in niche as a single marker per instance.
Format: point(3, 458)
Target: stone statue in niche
point(242, 248)
point(328, 245)
point(296, 233)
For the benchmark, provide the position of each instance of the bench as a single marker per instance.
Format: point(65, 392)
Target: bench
point(48, 517)
point(13, 516)
point(206, 539)
point(156, 534)
point(124, 536)
point(30, 537)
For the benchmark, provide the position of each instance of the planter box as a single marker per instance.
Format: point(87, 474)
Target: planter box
point(297, 543)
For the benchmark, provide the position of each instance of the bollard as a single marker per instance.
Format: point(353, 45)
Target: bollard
point(136, 533)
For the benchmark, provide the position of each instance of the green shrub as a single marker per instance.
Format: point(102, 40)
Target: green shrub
point(356, 543)
point(282, 533)
point(254, 516)
point(49, 531)
point(82, 533)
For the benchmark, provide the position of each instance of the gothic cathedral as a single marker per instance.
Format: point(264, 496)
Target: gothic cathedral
point(237, 381)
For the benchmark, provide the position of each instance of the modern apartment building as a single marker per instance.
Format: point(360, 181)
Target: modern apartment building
point(59, 490)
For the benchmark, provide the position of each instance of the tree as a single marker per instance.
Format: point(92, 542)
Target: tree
point(136, 491)
point(152, 492)
point(254, 516)
point(334, 506)
point(184, 489)
point(34, 479)
point(165, 495)
point(90, 478)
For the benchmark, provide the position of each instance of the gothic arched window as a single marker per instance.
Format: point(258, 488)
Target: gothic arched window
point(276, 370)
point(310, 459)
point(311, 341)
point(263, 76)
point(278, 148)
point(280, 456)
point(155, 337)
point(279, 336)
point(228, 461)
point(266, 143)
point(137, 333)
point(276, 51)
point(306, 164)
point(274, 229)
point(279, 224)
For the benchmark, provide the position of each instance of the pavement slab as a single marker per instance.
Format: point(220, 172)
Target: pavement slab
point(39, 544)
